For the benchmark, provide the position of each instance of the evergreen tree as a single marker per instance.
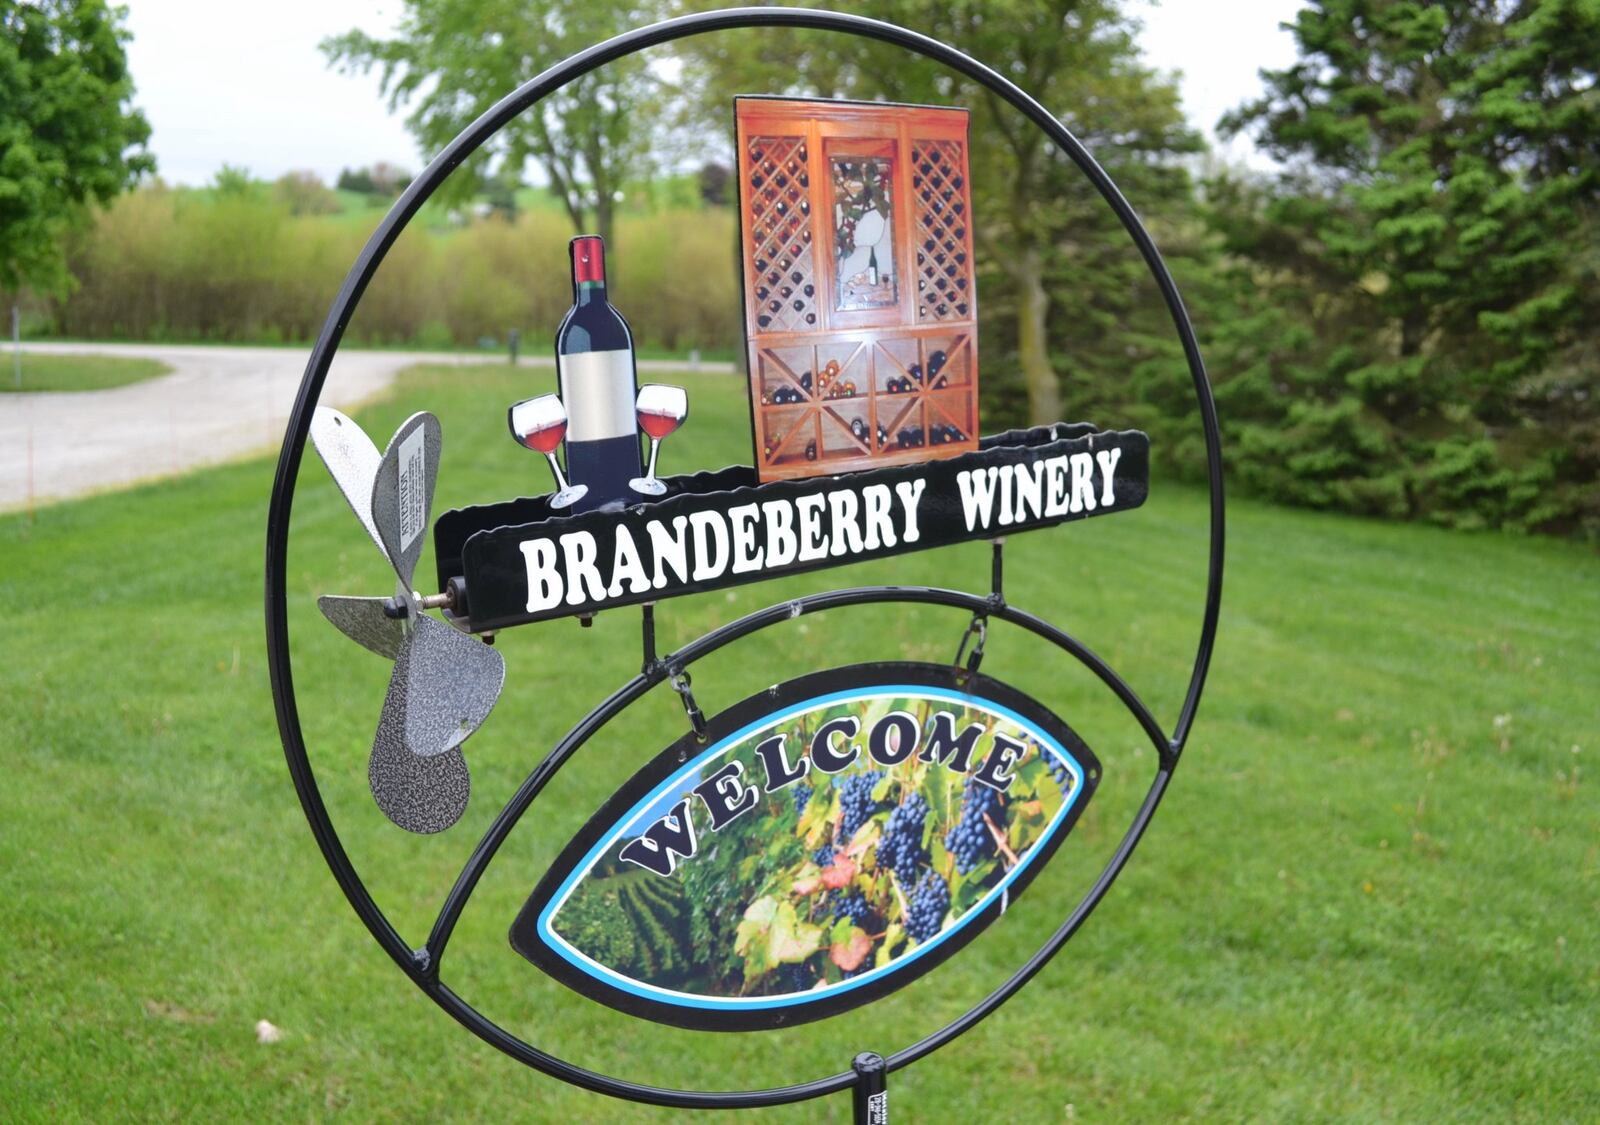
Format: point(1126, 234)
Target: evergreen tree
point(1421, 277)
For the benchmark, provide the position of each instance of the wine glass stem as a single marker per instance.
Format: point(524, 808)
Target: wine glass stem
point(655, 445)
point(555, 467)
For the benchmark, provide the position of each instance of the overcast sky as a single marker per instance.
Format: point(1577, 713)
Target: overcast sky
point(244, 83)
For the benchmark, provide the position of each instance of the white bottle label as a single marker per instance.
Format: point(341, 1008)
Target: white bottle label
point(413, 471)
point(597, 390)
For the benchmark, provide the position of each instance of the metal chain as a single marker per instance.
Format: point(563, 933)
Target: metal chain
point(680, 682)
point(978, 627)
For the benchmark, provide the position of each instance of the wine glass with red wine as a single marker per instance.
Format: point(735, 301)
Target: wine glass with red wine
point(661, 410)
point(540, 424)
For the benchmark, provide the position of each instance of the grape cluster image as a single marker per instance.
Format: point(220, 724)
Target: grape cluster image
point(901, 849)
point(972, 841)
point(852, 906)
point(928, 907)
point(856, 803)
point(838, 874)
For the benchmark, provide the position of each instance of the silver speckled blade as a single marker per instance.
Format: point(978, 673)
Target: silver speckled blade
point(422, 795)
point(445, 683)
point(402, 491)
point(352, 461)
point(364, 621)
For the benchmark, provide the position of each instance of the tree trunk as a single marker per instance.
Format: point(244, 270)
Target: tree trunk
point(604, 222)
point(741, 357)
point(1033, 309)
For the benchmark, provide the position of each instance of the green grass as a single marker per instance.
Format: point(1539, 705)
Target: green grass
point(1372, 893)
point(76, 372)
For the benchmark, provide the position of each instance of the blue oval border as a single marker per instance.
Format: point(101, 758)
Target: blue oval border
point(532, 936)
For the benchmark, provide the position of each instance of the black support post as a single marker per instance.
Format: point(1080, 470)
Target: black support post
point(872, 1089)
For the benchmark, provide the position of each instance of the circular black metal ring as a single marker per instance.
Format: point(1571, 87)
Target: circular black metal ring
point(701, 647)
point(421, 966)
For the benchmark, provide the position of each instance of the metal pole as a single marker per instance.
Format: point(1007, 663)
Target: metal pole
point(16, 344)
point(871, 1091)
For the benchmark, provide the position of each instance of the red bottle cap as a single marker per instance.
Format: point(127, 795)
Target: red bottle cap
point(588, 258)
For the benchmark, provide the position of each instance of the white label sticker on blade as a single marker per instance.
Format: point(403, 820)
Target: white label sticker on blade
point(413, 480)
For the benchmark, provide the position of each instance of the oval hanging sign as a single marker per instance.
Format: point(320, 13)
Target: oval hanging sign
point(835, 837)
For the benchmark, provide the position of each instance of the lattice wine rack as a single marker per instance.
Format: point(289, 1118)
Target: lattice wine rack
point(860, 299)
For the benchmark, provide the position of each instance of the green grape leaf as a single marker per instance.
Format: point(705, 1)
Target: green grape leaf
point(809, 881)
point(867, 836)
point(842, 871)
point(944, 796)
point(1050, 798)
point(849, 953)
point(966, 890)
point(1027, 824)
point(791, 940)
point(893, 937)
point(772, 934)
point(751, 938)
point(880, 791)
point(817, 822)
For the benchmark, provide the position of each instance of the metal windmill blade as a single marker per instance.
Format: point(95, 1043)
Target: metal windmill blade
point(352, 461)
point(444, 683)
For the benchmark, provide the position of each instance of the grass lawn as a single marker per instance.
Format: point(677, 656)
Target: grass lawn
point(1373, 892)
point(76, 372)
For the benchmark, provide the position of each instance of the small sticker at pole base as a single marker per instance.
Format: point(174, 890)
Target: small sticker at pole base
point(878, 1108)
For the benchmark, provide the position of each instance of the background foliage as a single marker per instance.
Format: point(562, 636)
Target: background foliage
point(1400, 321)
point(67, 135)
point(452, 59)
point(1435, 229)
point(241, 265)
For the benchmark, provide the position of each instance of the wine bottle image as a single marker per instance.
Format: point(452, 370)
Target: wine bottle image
point(599, 383)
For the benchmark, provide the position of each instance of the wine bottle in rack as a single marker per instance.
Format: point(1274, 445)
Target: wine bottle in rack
point(599, 384)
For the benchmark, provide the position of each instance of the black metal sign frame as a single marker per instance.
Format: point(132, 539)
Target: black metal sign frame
point(422, 964)
point(720, 529)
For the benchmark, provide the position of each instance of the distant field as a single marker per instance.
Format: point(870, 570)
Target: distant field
point(76, 372)
point(1372, 893)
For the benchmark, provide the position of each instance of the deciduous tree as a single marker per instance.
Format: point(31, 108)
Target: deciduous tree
point(1057, 271)
point(452, 59)
point(68, 133)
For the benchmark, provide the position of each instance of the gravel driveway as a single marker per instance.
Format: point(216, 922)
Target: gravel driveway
point(216, 404)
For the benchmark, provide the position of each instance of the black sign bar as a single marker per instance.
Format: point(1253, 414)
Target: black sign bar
point(711, 532)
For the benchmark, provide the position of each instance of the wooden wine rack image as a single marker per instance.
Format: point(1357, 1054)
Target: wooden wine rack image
point(861, 304)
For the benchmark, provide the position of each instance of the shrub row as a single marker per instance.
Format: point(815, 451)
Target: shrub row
point(161, 264)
